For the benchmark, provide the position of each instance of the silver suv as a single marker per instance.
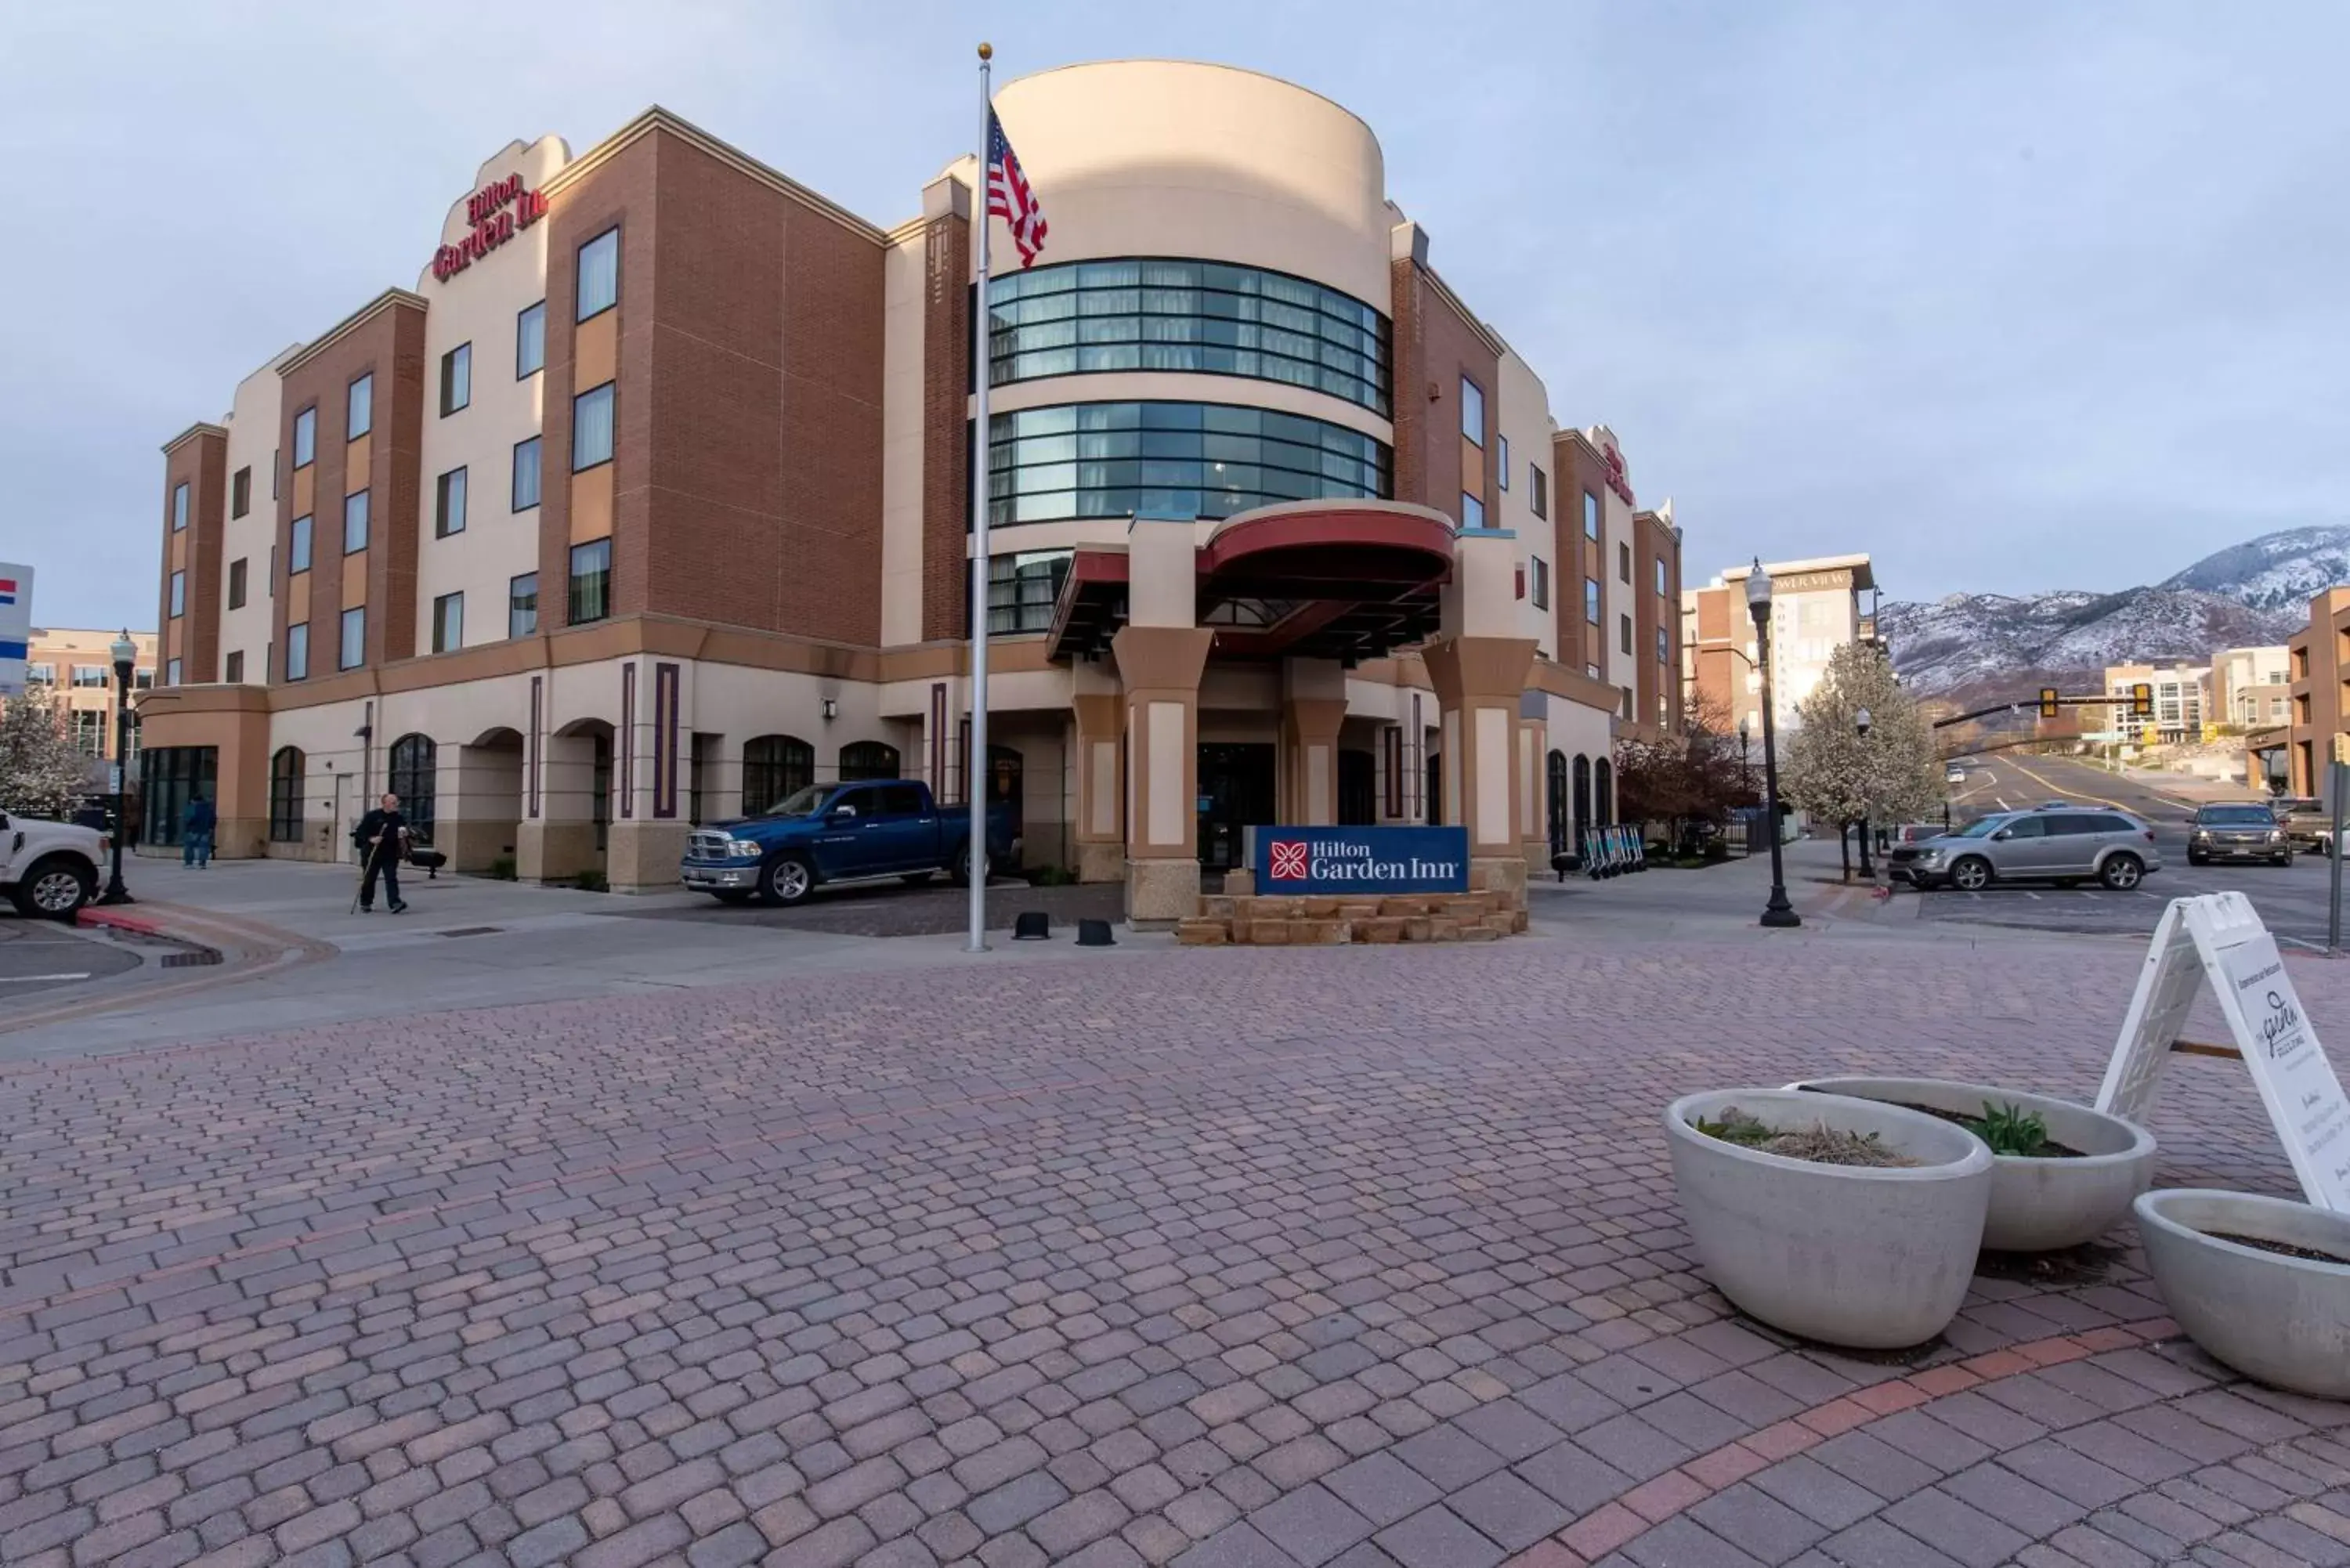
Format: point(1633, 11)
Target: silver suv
point(2059, 844)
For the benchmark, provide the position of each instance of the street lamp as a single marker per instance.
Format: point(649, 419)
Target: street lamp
point(1778, 912)
point(125, 653)
point(1860, 724)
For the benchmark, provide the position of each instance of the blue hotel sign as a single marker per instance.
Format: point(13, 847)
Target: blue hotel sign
point(1327, 860)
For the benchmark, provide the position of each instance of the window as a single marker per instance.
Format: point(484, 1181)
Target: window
point(1472, 511)
point(89, 676)
point(239, 492)
point(1205, 459)
point(178, 507)
point(1022, 590)
point(40, 675)
point(1624, 632)
point(1661, 574)
point(358, 408)
point(1664, 655)
point(522, 606)
point(1590, 600)
point(273, 455)
point(774, 768)
point(448, 503)
point(234, 675)
point(1542, 583)
point(306, 437)
point(89, 732)
point(599, 274)
point(412, 775)
point(591, 582)
point(1504, 450)
point(168, 776)
point(353, 652)
point(1622, 562)
point(1590, 515)
point(298, 559)
point(1541, 484)
point(172, 673)
point(456, 379)
point(1472, 411)
point(236, 583)
point(591, 428)
point(1623, 704)
point(285, 796)
point(179, 594)
point(449, 623)
point(868, 760)
point(2027, 828)
point(526, 474)
point(355, 522)
point(1143, 314)
point(140, 680)
point(530, 341)
point(298, 651)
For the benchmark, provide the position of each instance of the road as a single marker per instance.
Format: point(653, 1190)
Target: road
point(2292, 899)
point(43, 955)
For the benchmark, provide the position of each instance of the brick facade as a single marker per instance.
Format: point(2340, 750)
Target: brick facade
point(199, 460)
point(946, 447)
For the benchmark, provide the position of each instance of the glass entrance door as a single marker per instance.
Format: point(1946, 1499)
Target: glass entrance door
point(1235, 792)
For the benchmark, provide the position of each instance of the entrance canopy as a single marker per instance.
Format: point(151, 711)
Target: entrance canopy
point(1319, 579)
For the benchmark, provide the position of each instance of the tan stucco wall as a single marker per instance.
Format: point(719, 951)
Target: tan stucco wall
point(253, 433)
point(1524, 419)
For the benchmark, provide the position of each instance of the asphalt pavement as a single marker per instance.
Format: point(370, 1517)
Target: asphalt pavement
point(38, 955)
point(2292, 899)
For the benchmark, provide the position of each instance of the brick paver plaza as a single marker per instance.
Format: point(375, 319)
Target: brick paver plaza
point(1363, 1257)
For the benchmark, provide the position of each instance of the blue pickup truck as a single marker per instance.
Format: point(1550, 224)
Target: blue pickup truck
point(838, 833)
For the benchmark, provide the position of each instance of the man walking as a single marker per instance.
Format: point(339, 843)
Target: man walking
point(196, 825)
point(383, 839)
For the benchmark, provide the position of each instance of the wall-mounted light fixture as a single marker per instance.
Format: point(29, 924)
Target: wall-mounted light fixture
point(831, 709)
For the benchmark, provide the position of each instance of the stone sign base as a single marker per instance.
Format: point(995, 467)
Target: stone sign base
point(1247, 921)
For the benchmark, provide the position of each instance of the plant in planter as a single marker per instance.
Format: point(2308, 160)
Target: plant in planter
point(2262, 1283)
point(1844, 1220)
point(2063, 1174)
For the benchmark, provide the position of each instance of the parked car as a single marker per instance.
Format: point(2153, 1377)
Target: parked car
point(48, 868)
point(2305, 821)
point(2237, 831)
point(2059, 844)
point(1955, 774)
point(840, 833)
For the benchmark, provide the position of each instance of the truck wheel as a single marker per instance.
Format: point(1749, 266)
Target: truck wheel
point(962, 867)
point(57, 887)
point(785, 880)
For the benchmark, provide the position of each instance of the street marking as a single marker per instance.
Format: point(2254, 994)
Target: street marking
point(2001, 801)
point(29, 979)
point(2030, 895)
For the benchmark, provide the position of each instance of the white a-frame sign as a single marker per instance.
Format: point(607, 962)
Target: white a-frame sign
point(2219, 935)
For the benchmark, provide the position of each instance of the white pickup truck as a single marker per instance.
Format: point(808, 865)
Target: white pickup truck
point(48, 868)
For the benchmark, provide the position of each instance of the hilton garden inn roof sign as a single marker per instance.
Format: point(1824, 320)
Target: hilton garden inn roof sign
point(1327, 860)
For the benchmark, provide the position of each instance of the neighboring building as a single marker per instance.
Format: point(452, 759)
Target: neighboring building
point(1815, 608)
point(651, 502)
point(78, 666)
point(2317, 662)
point(2183, 701)
point(2252, 686)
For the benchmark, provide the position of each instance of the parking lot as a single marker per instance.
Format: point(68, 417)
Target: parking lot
point(2292, 899)
point(38, 955)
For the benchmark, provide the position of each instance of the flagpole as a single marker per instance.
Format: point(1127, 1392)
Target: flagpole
point(975, 779)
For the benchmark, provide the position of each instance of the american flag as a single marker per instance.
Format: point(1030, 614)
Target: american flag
point(1009, 197)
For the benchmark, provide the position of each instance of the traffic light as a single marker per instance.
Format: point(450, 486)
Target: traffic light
point(2048, 701)
point(2142, 701)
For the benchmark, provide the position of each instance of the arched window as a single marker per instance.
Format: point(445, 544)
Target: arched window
point(1603, 790)
point(868, 760)
point(773, 767)
point(1582, 799)
point(411, 779)
point(1554, 797)
point(285, 777)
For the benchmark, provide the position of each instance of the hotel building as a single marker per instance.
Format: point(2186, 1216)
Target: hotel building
point(78, 667)
point(1815, 608)
point(652, 502)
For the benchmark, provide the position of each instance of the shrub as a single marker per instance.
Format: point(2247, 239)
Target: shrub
point(591, 882)
point(502, 870)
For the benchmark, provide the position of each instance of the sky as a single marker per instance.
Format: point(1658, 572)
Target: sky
point(2009, 295)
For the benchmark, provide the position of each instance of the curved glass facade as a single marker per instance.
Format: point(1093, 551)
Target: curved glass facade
point(1182, 460)
point(1212, 318)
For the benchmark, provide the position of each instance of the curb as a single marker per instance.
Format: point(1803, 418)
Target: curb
point(91, 915)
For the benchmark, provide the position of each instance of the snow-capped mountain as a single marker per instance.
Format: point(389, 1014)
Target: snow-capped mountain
point(2247, 594)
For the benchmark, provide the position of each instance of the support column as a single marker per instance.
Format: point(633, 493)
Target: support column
point(1479, 677)
point(1160, 667)
point(1101, 785)
point(1534, 791)
point(1312, 706)
point(646, 835)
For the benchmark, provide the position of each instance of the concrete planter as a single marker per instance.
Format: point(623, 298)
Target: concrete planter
point(2284, 1321)
point(1871, 1258)
point(2036, 1205)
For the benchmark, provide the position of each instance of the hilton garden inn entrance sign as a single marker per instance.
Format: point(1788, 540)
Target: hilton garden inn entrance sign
point(2219, 935)
point(1340, 861)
